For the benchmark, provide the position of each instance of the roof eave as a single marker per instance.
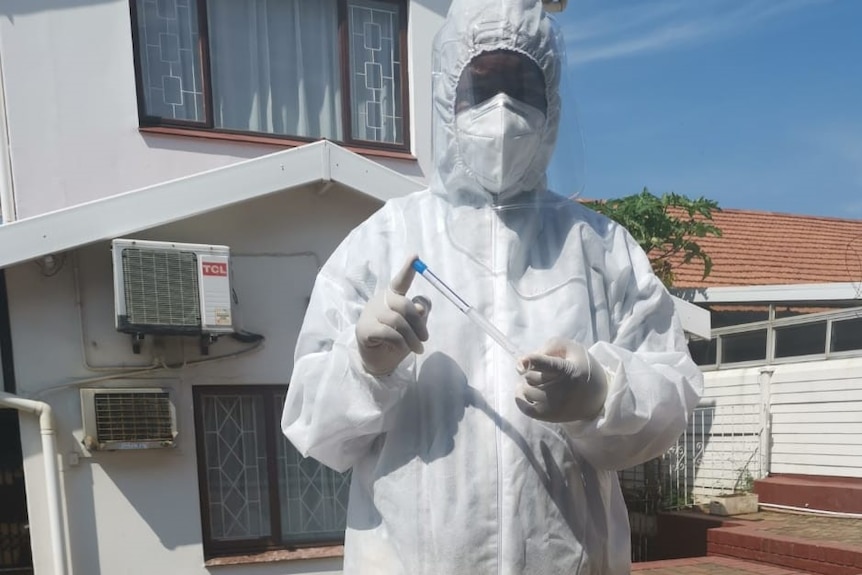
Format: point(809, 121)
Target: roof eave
point(694, 319)
point(819, 292)
point(190, 196)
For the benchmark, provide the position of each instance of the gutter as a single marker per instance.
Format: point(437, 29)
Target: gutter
point(52, 475)
point(7, 193)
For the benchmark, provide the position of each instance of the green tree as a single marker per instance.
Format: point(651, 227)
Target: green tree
point(665, 227)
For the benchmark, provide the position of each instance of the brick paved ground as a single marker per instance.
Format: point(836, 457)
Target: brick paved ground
point(812, 527)
point(709, 566)
point(816, 544)
point(767, 539)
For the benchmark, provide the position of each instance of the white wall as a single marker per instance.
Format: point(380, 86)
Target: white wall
point(726, 432)
point(138, 512)
point(71, 102)
point(817, 418)
point(426, 17)
point(803, 418)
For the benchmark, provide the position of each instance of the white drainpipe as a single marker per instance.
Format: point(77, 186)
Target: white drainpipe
point(7, 194)
point(765, 379)
point(52, 476)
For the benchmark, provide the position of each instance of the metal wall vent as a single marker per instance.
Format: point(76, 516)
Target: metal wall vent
point(161, 287)
point(141, 418)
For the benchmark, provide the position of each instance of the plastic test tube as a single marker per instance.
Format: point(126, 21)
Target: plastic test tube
point(468, 310)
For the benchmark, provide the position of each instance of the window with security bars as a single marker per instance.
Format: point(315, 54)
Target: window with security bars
point(292, 69)
point(257, 492)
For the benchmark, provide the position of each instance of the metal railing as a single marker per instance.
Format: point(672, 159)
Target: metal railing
point(718, 453)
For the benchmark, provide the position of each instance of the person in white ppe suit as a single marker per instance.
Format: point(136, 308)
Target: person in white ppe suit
point(461, 464)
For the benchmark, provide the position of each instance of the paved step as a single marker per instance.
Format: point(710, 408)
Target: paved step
point(769, 544)
point(825, 545)
point(710, 566)
point(843, 494)
point(682, 534)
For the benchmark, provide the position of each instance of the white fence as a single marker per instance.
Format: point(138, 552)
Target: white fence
point(718, 453)
point(780, 396)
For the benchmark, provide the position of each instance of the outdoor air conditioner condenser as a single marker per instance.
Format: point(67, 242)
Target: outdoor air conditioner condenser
point(128, 418)
point(168, 288)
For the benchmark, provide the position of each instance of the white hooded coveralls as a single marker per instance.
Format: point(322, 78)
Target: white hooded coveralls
point(448, 476)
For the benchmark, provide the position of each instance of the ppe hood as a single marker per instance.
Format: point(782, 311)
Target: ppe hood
point(486, 48)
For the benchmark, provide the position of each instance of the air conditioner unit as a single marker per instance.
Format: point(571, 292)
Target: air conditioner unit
point(128, 418)
point(171, 288)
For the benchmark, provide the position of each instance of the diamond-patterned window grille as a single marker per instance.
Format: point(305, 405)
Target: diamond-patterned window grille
point(258, 492)
point(282, 68)
point(170, 62)
point(236, 463)
point(315, 497)
point(375, 65)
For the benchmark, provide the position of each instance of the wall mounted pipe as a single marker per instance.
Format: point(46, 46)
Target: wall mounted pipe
point(52, 475)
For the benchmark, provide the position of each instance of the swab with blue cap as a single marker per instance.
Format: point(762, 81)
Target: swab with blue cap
point(485, 325)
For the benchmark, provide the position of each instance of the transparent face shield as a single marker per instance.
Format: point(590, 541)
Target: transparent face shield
point(567, 167)
point(506, 129)
point(509, 163)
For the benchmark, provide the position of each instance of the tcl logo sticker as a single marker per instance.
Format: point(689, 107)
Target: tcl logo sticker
point(214, 268)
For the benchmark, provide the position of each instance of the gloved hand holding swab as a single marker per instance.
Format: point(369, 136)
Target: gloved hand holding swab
point(474, 316)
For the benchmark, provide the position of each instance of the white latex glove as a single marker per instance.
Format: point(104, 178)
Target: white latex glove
point(391, 326)
point(563, 383)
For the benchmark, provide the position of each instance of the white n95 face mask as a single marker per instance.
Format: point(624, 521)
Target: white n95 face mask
point(497, 141)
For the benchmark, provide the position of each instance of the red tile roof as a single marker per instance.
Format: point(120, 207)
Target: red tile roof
point(764, 248)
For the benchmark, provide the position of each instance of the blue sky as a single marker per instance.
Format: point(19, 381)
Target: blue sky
point(756, 104)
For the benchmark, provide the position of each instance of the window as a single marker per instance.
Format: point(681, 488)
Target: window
point(725, 315)
point(801, 339)
point(294, 69)
point(703, 351)
point(847, 334)
point(257, 492)
point(803, 333)
point(746, 346)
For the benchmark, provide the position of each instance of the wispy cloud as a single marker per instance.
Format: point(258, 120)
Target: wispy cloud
point(668, 24)
point(853, 210)
point(836, 150)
